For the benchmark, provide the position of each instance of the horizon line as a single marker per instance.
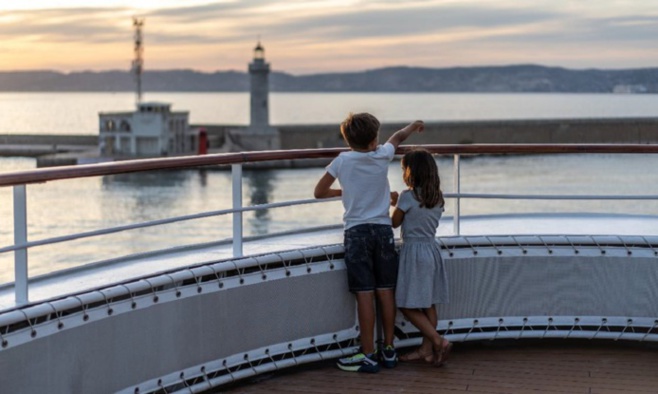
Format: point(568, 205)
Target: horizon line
point(127, 70)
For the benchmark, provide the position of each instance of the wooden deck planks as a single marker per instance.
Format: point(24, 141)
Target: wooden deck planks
point(550, 368)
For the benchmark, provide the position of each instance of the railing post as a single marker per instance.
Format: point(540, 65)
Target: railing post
point(236, 172)
point(20, 237)
point(457, 188)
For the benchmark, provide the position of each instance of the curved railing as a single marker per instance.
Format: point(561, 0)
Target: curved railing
point(20, 179)
point(197, 327)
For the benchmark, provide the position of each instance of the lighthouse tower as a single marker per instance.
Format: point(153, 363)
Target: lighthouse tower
point(260, 89)
point(259, 135)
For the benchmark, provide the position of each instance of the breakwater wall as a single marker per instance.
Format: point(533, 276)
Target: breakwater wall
point(48, 139)
point(555, 131)
point(42, 145)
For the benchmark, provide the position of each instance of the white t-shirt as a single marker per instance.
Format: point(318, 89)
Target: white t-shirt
point(363, 177)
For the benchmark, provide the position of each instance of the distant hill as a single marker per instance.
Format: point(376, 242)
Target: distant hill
point(519, 78)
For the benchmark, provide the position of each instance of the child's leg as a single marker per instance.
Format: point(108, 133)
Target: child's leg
point(422, 322)
point(386, 299)
point(385, 262)
point(361, 281)
point(432, 315)
point(430, 312)
point(365, 302)
point(425, 351)
point(434, 346)
point(446, 346)
point(426, 346)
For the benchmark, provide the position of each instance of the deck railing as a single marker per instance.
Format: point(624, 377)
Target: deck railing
point(19, 181)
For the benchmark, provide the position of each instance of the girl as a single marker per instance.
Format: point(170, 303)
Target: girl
point(422, 280)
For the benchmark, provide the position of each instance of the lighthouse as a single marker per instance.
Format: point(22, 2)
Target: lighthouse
point(259, 71)
point(259, 135)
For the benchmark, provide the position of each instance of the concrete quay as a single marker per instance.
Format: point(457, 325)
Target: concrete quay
point(52, 150)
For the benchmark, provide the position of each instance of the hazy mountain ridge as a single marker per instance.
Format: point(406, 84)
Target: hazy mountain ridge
point(517, 78)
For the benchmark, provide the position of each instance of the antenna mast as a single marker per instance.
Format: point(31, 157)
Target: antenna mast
point(138, 61)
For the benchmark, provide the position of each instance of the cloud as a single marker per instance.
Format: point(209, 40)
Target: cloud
point(350, 22)
point(326, 35)
point(397, 22)
point(70, 25)
point(632, 30)
point(212, 11)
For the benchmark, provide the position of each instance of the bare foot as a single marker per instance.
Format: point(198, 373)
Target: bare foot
point(417, 355)
point(444, 353)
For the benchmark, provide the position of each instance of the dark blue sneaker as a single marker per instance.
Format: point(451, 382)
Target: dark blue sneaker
point(389, 357)
point(359, 362)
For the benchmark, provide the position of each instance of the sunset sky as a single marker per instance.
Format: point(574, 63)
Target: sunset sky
point(314, 36)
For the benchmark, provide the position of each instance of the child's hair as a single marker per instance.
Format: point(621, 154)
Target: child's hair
point(421, 174)
point(359, 130)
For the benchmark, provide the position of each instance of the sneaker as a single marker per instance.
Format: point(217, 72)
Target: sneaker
point(359, 362)
point(389, 357)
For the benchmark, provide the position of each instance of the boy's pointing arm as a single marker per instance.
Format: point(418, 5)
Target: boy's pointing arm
point(399, 136)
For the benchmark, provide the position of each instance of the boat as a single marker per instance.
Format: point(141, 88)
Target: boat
point(215, 315)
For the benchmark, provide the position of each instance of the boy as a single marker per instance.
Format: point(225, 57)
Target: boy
point(370, 257)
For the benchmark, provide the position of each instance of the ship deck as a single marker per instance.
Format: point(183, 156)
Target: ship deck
point(545, 366)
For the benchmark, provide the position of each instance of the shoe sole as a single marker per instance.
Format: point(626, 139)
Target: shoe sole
point(359, 368)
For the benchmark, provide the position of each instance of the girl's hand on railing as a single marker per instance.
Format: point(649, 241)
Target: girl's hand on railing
point(394, 198)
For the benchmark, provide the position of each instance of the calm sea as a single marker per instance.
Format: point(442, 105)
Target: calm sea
point(80, 205)
point(77, 113)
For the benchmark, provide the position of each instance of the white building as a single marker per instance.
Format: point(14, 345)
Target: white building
point(630, 89)
point(152, 130)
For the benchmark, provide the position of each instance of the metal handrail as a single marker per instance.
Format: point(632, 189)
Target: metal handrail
point(484, 196)
point(258, 207)
point(159, 222)
point(121, 167)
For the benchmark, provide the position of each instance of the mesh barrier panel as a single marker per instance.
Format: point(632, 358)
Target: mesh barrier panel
point(551, 286)
point(118, 352)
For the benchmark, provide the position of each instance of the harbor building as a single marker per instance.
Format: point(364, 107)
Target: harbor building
point(259, 135)
point(152, 130)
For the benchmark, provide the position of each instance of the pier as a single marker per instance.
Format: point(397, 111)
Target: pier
point(50, 149)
